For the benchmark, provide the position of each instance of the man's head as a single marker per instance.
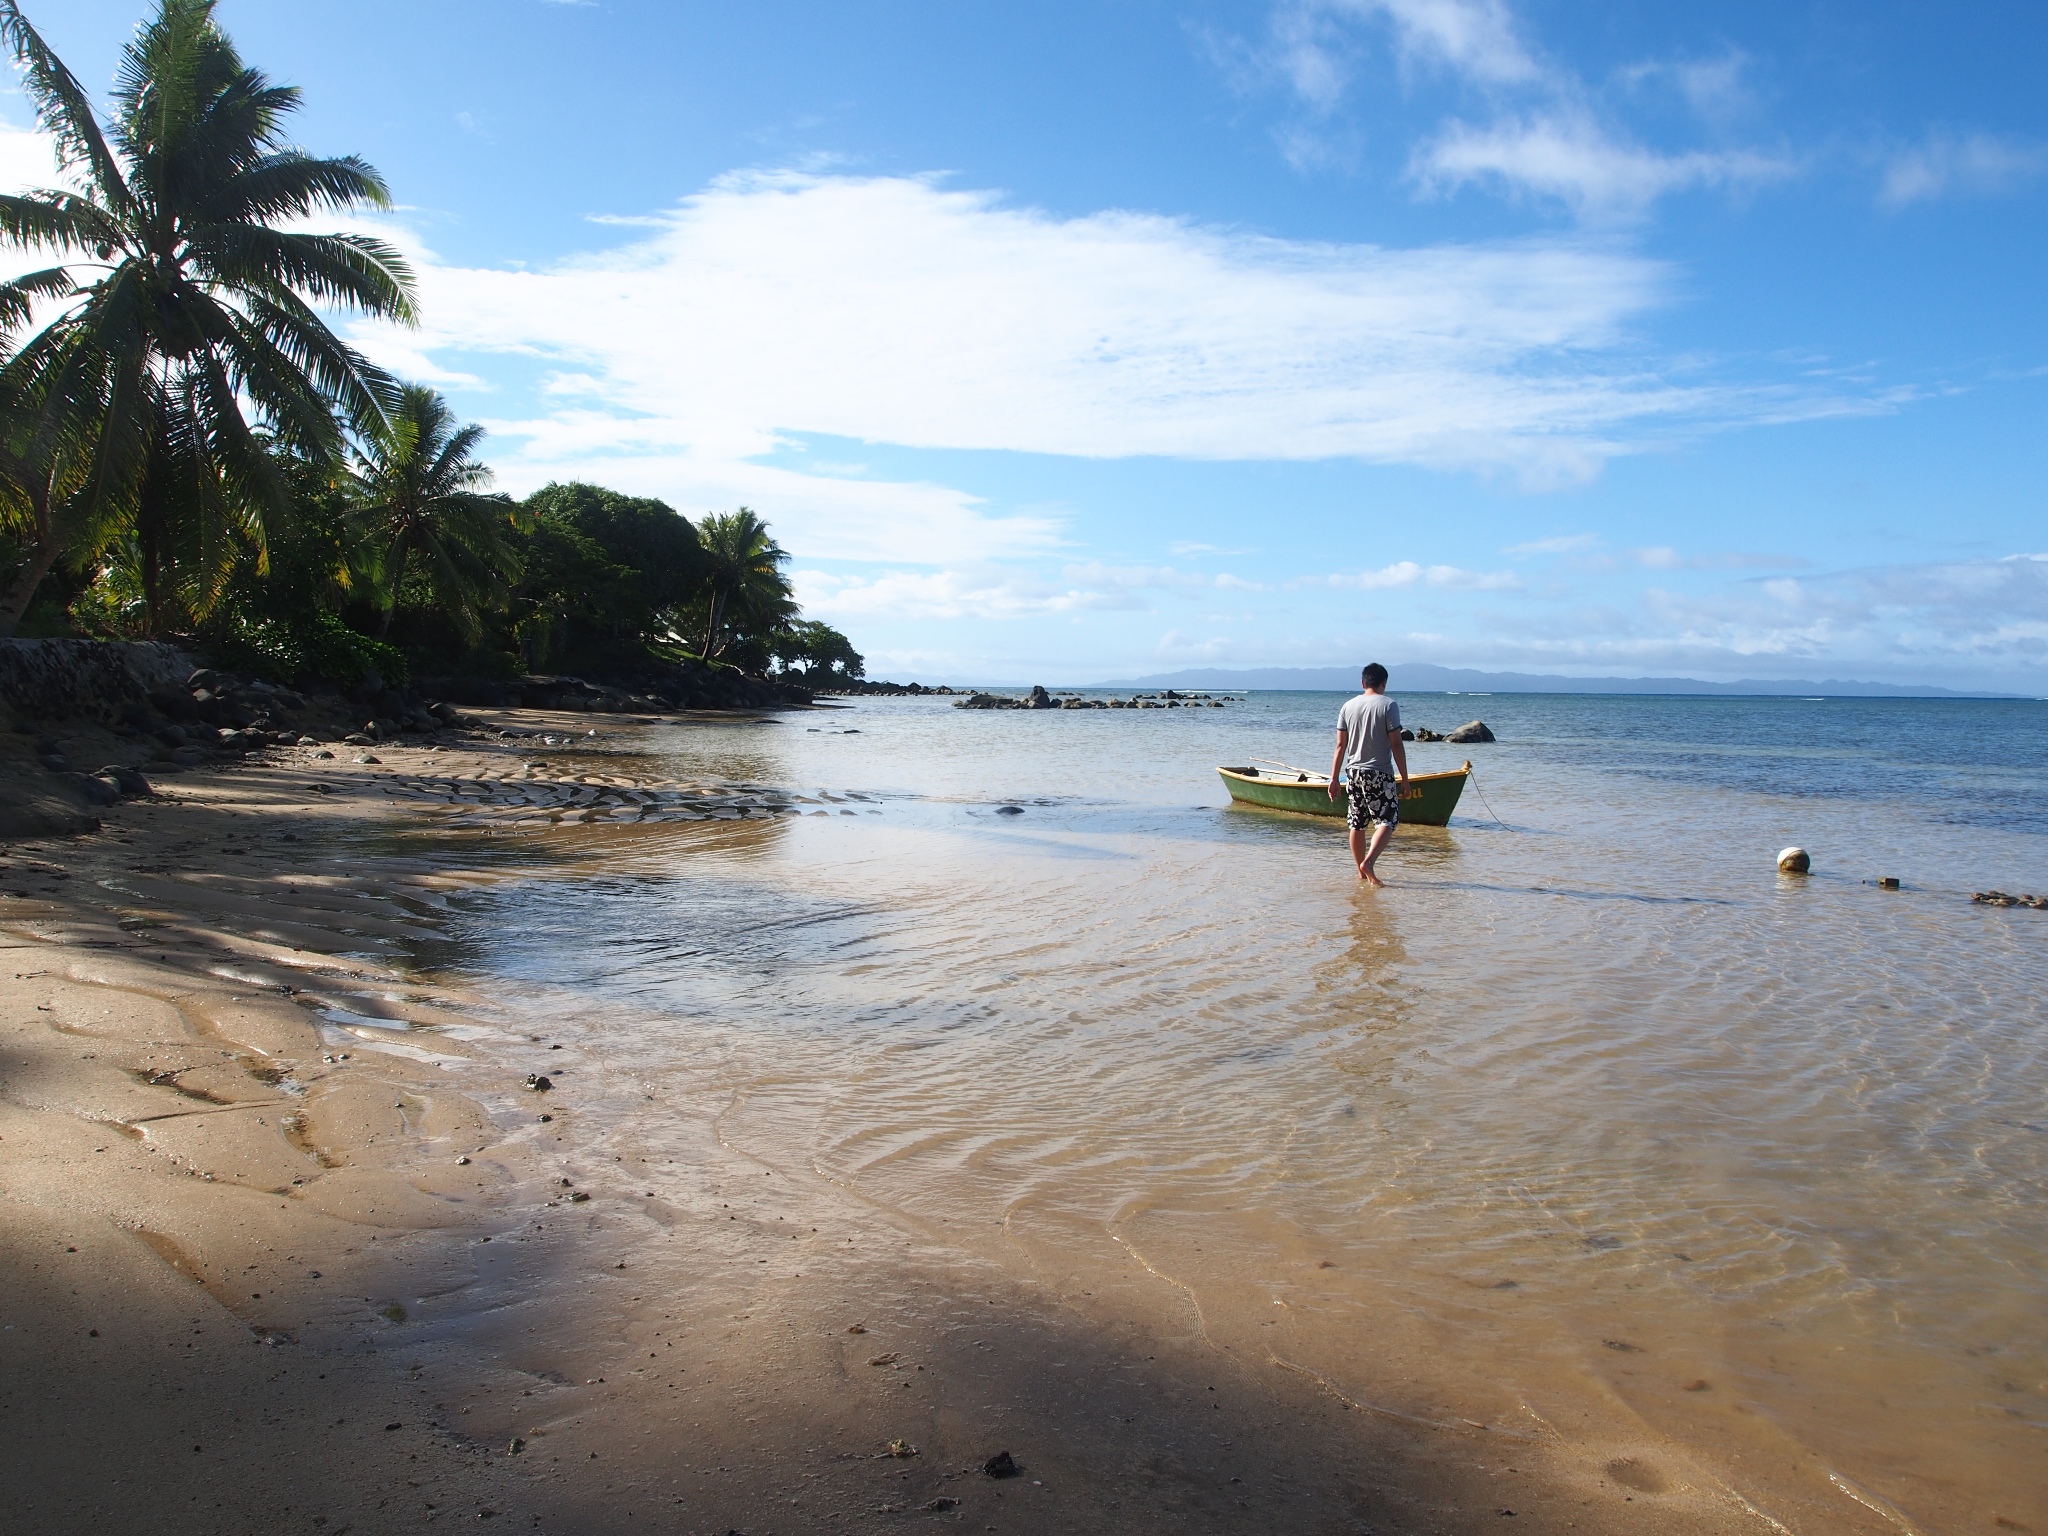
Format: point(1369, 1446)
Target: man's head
point(1374, 677)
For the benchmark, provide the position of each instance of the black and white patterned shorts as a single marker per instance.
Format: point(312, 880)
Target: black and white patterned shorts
point(1375, 796)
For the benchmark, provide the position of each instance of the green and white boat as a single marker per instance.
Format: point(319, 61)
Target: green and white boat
point(1426, 801)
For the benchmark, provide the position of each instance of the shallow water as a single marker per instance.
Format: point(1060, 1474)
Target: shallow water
point(1591, 1126)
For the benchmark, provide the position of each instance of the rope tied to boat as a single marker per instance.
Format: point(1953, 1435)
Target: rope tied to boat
point(1472, 775)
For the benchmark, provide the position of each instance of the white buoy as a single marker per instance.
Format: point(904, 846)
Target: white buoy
point(1793, 861)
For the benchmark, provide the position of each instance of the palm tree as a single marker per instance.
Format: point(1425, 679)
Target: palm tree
point(41, 463)
point(419, 492)
point(743, 576)
point(193, 298)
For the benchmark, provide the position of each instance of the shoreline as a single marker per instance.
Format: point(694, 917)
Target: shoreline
point(662, 1324)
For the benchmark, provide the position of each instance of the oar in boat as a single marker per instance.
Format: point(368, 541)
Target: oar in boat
point(1290, 767)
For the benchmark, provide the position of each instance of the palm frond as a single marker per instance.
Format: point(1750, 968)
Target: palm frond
point(63, 108)
point(356, 271)
point(56, 221)
point(364, 392)
point(18, 298)
point(291, 186)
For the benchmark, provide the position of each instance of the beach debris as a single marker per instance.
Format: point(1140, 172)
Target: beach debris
point(462, 1162)
point(940, 1503)
point(1698, 1384)
point(1622, 1346)
point(1009, 810)
point(2002, 899)
point(858, 1328)
point(578, 1196)
point(1469, 732)
point(1888, 882)
point(539, 1082)
point(515, 1447)
point(902, 1449)
point(889, 1359)
point(1002, 1464)
point(1794, 861)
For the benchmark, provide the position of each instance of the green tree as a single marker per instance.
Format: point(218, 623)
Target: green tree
point(422, 507)
point(194, 296)
point(813, 648)
point(745, 591)
point(648, 550)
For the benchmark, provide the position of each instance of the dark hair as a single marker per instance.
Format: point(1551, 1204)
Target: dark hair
point(1374, 675)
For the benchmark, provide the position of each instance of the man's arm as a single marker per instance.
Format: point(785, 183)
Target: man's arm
point(1400, 756)
point(1337, 764)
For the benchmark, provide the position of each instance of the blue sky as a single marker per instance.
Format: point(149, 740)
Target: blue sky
point(1068, 341)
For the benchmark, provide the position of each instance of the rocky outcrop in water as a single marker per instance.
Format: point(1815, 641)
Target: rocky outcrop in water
point(861, 686)
point(1038, 698)
point(687, 684)
point(1471, 731)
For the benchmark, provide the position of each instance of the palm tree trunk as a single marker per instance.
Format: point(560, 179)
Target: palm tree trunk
point(22, 590)
point(152, 533)
point(149, 536)
point(398, 559)
point(711, 624)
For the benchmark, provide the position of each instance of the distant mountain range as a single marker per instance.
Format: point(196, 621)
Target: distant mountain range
point(1422, 677)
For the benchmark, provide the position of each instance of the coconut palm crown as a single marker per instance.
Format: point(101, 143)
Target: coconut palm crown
point(420, 495)
point(743, 576)
point(186, 289)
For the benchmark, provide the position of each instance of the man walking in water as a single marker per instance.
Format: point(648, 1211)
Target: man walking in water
point(1371, 766)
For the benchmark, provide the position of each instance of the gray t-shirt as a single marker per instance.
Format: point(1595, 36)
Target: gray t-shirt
point(1366, 720)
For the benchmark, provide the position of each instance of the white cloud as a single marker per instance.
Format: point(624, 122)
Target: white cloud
point(1473, 38)
point(892, 310)
point(1978, 164)
point(1714, 88)
point(1407, 573)
point(1968, 621)
point(1563, 544)
point(1097, 575)
point(1568, 156)
point(1540, 134)
point(997, 591)
point(1179, 647)
point(1664, 558)
point(986, 592)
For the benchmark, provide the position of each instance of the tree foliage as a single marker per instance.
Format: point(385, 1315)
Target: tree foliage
point(421, 505)
point(190, 448)
point(182, 289)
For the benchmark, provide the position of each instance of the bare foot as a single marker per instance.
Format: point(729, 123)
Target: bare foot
point(1371, 879)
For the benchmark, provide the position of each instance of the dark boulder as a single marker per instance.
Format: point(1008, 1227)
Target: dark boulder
point(1470, 732)
point(95, 790)
point(128, 780)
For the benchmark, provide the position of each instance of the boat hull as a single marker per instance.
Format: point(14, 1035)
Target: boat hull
point(1427, 800)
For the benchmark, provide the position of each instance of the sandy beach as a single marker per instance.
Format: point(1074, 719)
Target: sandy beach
point(273, 1264)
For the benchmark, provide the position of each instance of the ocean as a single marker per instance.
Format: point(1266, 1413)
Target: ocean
point(1591, 1126)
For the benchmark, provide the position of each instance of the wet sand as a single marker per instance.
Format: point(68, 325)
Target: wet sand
point(270, 1264)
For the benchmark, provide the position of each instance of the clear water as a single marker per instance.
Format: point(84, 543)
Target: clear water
point(1591, 1126)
